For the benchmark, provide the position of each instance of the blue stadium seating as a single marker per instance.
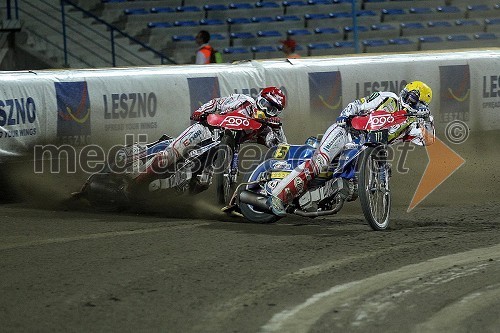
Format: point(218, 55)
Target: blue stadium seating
point(266, 52)
point(455, 22)
point(231, 54)
point(316, 49)
point(492, 25)
point(241, 39)
point(156, 10)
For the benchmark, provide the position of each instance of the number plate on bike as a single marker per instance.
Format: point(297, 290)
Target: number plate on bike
point(377, 136)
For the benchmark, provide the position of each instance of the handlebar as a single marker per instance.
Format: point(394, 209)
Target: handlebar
point(271, 122)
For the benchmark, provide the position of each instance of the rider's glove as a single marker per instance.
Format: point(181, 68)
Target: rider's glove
point(423, 110)
point(273, 121)
point(341, 121)
point(198, 116)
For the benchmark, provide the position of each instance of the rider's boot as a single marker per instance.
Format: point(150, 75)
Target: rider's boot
point(291, 187)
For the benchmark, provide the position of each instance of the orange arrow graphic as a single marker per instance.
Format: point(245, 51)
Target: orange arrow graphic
point(443, 162)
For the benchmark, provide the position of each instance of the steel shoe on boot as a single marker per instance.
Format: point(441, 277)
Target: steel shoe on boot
point(276, 206)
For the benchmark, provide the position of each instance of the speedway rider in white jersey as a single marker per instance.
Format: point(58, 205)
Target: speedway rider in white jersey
point(414, 98)
point(268, 105)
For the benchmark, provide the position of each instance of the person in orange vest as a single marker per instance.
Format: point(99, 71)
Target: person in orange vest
point(288, 49)
point(204, 50)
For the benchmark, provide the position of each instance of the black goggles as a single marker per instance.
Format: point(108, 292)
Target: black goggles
point(412, 98)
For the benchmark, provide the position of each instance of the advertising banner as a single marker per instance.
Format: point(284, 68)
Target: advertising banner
point(107, 106)
point(25, 106)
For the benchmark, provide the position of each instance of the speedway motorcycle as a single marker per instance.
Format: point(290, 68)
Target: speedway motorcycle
point(214, 159)
point(361, 170)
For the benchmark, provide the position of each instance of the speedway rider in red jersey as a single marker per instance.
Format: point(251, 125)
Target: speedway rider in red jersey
point(268, 105)
point(414, 98)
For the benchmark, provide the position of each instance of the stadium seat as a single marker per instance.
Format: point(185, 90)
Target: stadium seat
point(486, 39)
point(345, 5)
point(241, 39)
point(492, 25)
point(481, 11)
point(136, 11)
point(327, 32)
point(468, 25)
point(293, 7)
point(219, 40)
point(266, 52)
point(268, 8)
point(378, 5)
point(412, 29)
point(385, 30)
point(318, 20)
point(458, 41)
point(185, 9)
point(247, 10)
point(392, 14)
point(242, 5)
point(316, 49)
point(349, 32)
point(156, 10)
point(134, 24)
point(266, 37)
point(186, 23)
point(153, 25)
point(441, 27)
point(449, 13)
point(301, 36)
point(402, 45)
point(232, 54)
point(373, 45)
point(390, 45)
point(212, 11)
point(269, 34)
point(344, 47)
point(312, 7)
point(430, 43)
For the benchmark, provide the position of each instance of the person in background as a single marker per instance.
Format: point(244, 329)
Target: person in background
point(204, 49)
point(288, 49)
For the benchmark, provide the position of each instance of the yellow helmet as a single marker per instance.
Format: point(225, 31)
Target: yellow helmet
point(415, 93)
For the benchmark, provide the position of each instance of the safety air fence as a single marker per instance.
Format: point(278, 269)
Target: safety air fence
point(106, 106)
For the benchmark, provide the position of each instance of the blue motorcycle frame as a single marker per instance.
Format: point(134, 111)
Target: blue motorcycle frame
point(360, 170)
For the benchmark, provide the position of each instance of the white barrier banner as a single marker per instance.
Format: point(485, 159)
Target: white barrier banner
point(108, 106)
point(26, 101)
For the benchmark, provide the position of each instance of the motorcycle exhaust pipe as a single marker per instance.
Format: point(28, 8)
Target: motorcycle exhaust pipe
point(258, 201)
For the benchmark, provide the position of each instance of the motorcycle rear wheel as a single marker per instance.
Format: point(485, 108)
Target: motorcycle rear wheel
point(373, 189)
point(107, 193)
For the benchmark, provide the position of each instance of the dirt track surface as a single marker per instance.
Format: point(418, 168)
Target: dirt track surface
point(182, 266)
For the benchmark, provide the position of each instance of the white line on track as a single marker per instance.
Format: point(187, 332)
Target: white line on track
point(303, 316)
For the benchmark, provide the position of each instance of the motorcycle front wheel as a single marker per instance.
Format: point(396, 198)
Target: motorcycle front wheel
point(374, 191)
point(223, 169)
